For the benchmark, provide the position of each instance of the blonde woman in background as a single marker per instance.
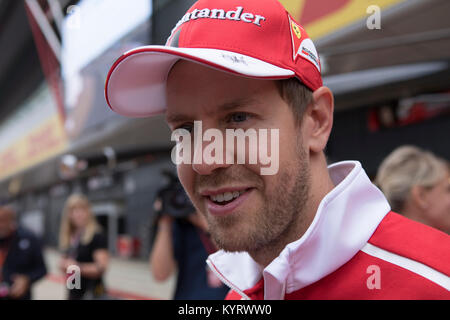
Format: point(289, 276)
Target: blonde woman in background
point(83, 244)
point(417, 185)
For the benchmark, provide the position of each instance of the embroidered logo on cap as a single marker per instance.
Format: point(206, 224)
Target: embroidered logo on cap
point(309, 52)
point(304, 48)
point(296, 36)
point(296, 30)
point(220, 14)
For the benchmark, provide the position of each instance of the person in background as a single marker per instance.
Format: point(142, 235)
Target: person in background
point(417, 185)
point(83, 244)
point(21, 259)
point(183, 244)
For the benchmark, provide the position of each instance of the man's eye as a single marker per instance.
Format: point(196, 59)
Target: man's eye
point(239, 117)
point(187, 126)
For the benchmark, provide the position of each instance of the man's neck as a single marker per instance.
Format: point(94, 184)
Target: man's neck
point(266, 255)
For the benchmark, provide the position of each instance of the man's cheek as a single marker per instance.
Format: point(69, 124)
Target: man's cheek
point(186, 177)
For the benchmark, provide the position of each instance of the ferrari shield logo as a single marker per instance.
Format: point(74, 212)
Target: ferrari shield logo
point(296, 35)
point(296, 30)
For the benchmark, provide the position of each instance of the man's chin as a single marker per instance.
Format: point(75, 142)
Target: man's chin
point(231, 235)
point(232, 245)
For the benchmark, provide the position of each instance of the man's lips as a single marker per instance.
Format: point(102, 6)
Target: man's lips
point(224, 201)
point(213, 192)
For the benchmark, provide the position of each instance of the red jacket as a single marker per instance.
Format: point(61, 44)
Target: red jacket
point(356, 248)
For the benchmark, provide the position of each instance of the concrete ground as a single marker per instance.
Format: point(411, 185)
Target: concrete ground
point(125, 279)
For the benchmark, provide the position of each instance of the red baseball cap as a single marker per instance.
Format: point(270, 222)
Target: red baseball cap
point(251, 38)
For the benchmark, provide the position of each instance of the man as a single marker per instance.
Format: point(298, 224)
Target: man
point(308, 231)
point(21, 260)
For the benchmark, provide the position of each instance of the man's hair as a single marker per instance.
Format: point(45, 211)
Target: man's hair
point(296, 95)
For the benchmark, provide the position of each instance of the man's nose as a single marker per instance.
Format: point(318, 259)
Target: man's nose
point(209, 155)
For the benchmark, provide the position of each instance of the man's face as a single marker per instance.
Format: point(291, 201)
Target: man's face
point(264, 208)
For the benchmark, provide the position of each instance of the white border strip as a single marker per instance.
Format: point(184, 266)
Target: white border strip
point(411, 265)
point(45, 27)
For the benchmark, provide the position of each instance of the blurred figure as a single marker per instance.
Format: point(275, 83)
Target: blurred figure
point(182, 243)
point(417, 185)
point(83, 244)
point(21, 259)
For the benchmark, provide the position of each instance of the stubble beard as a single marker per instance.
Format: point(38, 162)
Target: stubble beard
point(278, 218)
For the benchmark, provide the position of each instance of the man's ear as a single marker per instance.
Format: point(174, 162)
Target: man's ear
point(418, 196)
point(319, 119)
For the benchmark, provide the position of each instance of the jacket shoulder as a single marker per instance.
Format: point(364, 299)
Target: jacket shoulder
point(413, 240)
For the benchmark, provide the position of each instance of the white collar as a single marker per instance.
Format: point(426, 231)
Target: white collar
point(345, 220)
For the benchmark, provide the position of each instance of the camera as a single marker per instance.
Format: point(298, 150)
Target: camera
point(173, 198)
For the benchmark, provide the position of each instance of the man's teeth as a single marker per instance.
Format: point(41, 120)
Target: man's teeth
point(227, 196)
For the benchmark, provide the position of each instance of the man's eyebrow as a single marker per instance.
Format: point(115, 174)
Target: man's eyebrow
point(225, 107)
point(236, 104)
point(177, 117)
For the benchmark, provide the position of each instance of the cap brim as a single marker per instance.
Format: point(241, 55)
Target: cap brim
point(136, 83)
